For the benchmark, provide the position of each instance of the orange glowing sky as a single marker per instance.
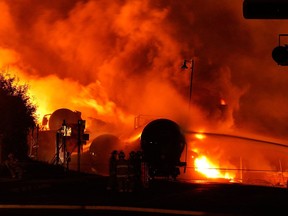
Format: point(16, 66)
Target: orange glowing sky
point(114, 60)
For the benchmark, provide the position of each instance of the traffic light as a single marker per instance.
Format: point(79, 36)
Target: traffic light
point(280, 55)
point(265, 9)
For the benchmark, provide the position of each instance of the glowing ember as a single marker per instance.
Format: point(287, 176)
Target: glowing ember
point(222, 102)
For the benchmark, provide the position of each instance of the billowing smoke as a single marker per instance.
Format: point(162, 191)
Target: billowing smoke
point(114, 60)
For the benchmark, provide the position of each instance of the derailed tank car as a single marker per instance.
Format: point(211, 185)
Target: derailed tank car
point(162, 143)
point(46, 138)
point(100, 152)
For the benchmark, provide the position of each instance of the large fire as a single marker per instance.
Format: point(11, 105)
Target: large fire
point(113, 61)
point(210, 169)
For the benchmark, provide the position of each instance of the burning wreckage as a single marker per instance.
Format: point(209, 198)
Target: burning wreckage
point(62, 136)
point(165, 150)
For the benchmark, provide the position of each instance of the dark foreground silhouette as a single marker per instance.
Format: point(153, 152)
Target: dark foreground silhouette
point(51, 190)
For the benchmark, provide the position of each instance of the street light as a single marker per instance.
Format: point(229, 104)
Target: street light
point(185, 67)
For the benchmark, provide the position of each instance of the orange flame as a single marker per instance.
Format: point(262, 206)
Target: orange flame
point(209, 169)
point(222, 102)
point(205, 166)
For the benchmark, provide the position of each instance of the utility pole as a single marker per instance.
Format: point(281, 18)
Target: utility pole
point(184, 67)
point(79, 142)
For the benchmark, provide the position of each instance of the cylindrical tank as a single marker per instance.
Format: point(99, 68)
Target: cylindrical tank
point(162, 143)
point(100, 152)
point(47, 138)
point(57, 117)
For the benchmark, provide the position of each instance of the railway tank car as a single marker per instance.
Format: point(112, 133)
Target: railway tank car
point(162, 144)
point(57, 117)
point(100, 152)
point(46, 138)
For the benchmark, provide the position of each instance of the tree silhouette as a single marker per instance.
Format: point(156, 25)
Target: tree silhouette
point(17, 117)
